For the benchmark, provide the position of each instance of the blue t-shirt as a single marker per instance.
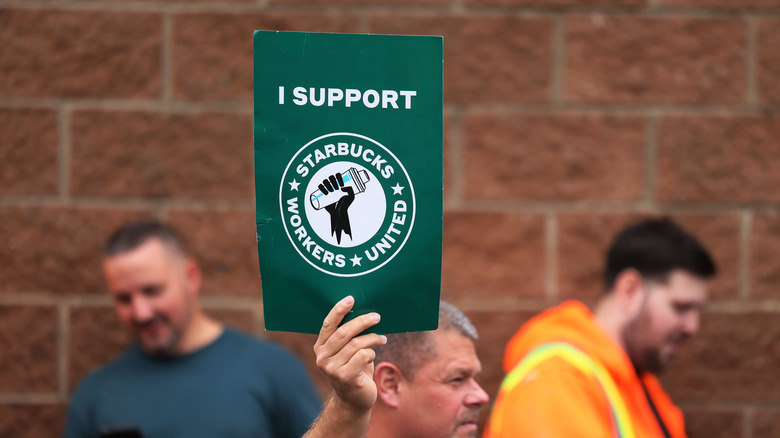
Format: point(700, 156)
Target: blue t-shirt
point(237, 386)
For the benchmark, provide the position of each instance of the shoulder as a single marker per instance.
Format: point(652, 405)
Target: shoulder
point(260, 351)
point(554, 380)
point(94, 381)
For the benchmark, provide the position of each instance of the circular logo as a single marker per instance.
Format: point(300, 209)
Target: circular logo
point(348, 204)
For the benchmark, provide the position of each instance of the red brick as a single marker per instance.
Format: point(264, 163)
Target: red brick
point(452, 129)
point(655, 60)
point(225, 243)
point(718, 159)
point(558, 3)
point(493, 254)
point(486, 58)
point(28, 342)
point(764, 262)
point(362, 2)
point(495, 328)
point(31, 421)
point(583, 240)
point(554, 157)
point(734, 358)
point(182, 1)
point(243, 320)
point(712, 424)
point(740, 5)
point(161, 155)
point(212, 53)
point(302, 345)
point(720, 235)
point(55, 249)
point(768, 60)
point(766, 424)
point(80, 54)
point(28, 152)
point(96, 337)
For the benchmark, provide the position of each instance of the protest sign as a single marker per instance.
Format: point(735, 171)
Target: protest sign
point(348, 177)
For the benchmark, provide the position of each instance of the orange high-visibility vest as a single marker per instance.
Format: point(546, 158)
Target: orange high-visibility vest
point(581, 361)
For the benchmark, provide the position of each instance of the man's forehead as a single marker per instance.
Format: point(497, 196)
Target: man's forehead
point(455, 351)
point(685, 288)
point(149, 257)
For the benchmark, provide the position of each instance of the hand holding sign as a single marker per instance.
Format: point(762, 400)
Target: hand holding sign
point(347, 361)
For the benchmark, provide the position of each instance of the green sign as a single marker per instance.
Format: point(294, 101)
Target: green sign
point(348, 177)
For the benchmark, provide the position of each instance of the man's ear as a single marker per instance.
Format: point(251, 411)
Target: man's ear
point(629, 292)
point(193, 275)
point(388, 379)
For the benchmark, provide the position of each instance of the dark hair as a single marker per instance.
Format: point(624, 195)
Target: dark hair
point(134, 234)
point(409, 351)
point(656, 247)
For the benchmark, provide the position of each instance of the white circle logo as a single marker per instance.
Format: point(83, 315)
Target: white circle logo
point(348, 204)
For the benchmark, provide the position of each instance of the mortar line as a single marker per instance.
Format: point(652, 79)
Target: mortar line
point(34, 398)
point(458, 6)
point(63, 340)
point(551, 256)
point(747, 423)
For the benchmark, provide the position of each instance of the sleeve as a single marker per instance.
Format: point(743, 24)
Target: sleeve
point(297, 402)
point(554, 400)
point(79, 422)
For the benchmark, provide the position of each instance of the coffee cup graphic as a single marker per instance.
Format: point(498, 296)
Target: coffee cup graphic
point(352, 177)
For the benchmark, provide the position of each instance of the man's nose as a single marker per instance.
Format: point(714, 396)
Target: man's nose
point(477, 397)
point(142, 310)
point(691, 323)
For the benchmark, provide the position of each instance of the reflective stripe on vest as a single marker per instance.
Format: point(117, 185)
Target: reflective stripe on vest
point(574, 356)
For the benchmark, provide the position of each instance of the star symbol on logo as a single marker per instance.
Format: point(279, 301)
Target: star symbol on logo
point(356, 260)
point(397, 189)
point(294, 185)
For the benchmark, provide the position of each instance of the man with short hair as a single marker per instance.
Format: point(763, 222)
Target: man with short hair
point(187, 375)
point(573, 373)
point(418, 384)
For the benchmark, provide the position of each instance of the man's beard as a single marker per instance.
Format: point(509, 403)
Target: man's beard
point(167, 346)
point(647, 358)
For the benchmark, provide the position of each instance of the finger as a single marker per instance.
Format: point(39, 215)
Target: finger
point(323, 189)
point(358, 362)
point(333, 182)
point(357, 346)
point(339, 179)
point(328, 185)
point(345, 333)
point(333, 319)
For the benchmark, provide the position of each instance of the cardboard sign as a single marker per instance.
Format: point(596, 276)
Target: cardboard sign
point(348, 177)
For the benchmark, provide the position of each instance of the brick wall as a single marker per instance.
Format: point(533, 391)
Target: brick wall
point(563, 120)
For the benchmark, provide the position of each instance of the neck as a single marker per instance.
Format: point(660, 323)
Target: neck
point(610, 318)
point(382, 424)
point(201, 331)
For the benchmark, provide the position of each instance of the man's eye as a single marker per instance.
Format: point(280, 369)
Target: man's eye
point(151, 291)
point(684, 308)
point(122, 299)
